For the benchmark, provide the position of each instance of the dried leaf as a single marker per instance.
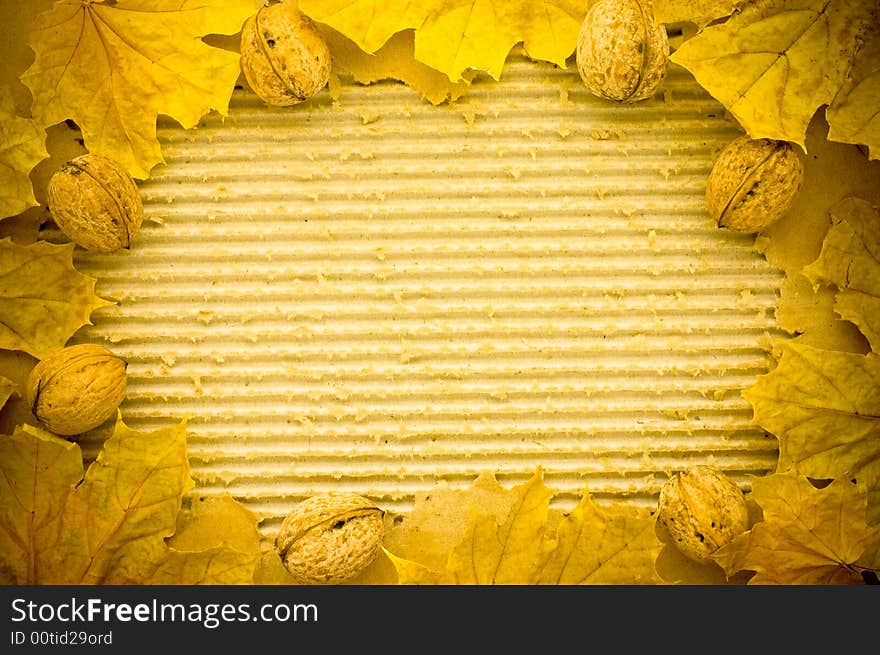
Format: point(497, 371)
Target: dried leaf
point(369, 23)
point(777, 61)
point(217, 541)
point(454, 36)
point(523, 544)
point(115, 524)
point(22, 146)
point(220, 565)
point(413, 573)
point(824, 407)
point(603, 546)
point(394, 60)
point(497, 535)
point(699, 12)
point(105, 527)
point(113, 68)
point(853, 117)
point(440, 519)
point(850, 260)
point(39, 472)
point(16, 366)
point(508, 552)
point(7, 388)
point(808, 535)
point(216, 521)
point(43, 298)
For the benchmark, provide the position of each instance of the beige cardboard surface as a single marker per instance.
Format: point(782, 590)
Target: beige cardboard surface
point(378, 294)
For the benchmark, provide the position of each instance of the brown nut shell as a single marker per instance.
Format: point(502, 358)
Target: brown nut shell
point(622, 51)
point(329, 538)
point(96, 203)
point(284, 58)
point(76, 389)
point(753, 183)
point(703, 509)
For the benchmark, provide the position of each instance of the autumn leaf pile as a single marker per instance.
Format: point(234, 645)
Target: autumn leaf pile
point(111, 68)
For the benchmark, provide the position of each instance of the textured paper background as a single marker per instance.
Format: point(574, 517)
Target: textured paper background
point(378, 294)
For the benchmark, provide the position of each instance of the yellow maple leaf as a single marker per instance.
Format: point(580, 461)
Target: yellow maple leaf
point(15, 366)
point(603, 546)
point(853, 116)
point(850, 260)
point(440, 519)
point(699, 12)
point(43, 298)
point(491, 550)
point(824, 407)
point(509, 552)
point(512, 537)
point(454, 36)
point(7, 388)
point(216, 541)
point(369, 23)
point(394, 60)
point(114, 67)
point(210, 522)
point(22, 146)
point(40, 471)
point(60, 526)
point(807, 535)
point(214, 566)
point(773, 64)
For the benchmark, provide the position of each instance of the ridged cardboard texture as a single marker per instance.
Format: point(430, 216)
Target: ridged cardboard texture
point(377, 294)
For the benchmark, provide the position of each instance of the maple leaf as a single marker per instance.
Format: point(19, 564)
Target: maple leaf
point(440, 519)
point(214, 566)
point(603, 546)
point(216, 541)
point(113, 68)
point(490, 549)
point(115, 522)
point(394, 60)
point(824, 407)
point(853, 117)
point(507, 552)
point(773, 64)
point(22, 146)
point(15, 366)
point(43, 298)
point(60, 526)
point(807, 535)
point(39, 473)
point(453, 36)
point(7, 388)
point(511, 538)
point(699, 12)
point(850, 260)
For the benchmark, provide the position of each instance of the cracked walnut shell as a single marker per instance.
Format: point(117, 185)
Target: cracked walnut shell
point(329, 538)
point(284, 58)
point(622, 51)
point(95, 202)
point(76, 389)
point(703, 510)
point(753, 183)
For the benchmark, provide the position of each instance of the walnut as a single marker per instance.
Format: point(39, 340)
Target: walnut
point(622, 51)
point(329, 538)
point(284, 58)
point(76, 389)
point(753, 183)
point(702, 509)
point(96, 203)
